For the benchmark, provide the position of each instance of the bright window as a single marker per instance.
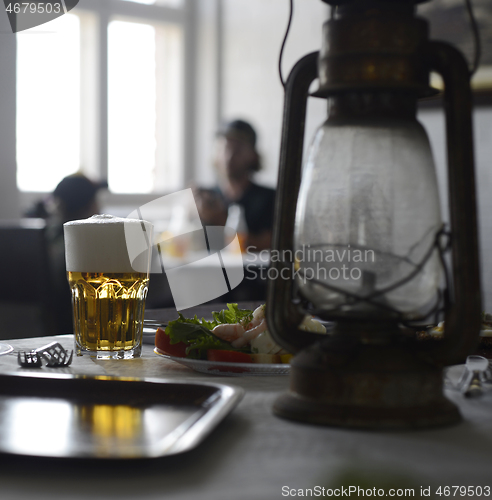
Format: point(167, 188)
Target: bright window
point(65, 97)
point(144, 150)
point(132, 106)
point(48, 104)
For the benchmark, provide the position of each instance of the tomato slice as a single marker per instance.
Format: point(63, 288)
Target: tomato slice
point(228, 356)
point(163, 343)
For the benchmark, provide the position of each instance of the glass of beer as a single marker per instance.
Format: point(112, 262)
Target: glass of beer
point(108, 261)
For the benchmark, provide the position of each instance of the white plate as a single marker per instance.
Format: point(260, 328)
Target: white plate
point(5, 348)
point(229, 369)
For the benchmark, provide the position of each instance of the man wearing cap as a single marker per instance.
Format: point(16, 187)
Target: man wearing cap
point(236, 161)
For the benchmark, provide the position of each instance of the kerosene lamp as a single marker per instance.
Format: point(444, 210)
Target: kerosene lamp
point(359, 231)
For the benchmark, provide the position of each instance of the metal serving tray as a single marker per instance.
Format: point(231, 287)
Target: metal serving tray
point(102, 417)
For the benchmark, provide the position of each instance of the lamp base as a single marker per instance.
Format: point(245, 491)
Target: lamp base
point(342, 382)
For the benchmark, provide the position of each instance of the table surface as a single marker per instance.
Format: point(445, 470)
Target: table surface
point(252, 454)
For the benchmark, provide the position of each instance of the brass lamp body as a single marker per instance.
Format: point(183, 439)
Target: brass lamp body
point(366, 374)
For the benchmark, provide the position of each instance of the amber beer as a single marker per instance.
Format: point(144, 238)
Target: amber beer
point(108, 291)
point(108, 309)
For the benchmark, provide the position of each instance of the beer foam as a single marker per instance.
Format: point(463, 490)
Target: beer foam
point(99, 244)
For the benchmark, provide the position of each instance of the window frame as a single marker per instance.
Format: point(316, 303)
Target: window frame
point(95, 16)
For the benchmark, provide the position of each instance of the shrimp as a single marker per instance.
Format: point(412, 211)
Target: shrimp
point(258, 316)
point(256, 326)
point(250, 334)
point(229, 331)
point(237, 334)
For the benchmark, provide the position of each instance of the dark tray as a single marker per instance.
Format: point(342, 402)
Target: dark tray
point(107, 417)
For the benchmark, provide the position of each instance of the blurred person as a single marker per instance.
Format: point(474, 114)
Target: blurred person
point(73, 198)
point(236, 161)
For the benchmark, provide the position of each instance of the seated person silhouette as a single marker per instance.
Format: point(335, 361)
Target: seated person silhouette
point(236, 161)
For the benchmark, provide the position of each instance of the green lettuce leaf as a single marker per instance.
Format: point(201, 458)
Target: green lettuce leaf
point(233, 315)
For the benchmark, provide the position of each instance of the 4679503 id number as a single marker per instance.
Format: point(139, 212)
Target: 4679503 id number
point(463, 491)
point(34, 8)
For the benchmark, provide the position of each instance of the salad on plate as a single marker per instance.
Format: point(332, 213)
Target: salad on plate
point(233, 335)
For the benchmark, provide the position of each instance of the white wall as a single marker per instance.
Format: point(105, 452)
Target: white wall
point(483, 161)
point(253, 33)
point(9, 196)
point(208, 87)
point(433, 121)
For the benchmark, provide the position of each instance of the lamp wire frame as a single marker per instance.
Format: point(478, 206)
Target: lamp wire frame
point(442, 243)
